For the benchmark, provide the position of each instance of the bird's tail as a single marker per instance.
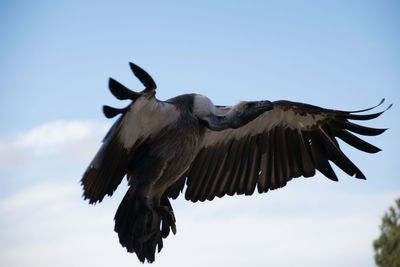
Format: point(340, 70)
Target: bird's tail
point(140, 228)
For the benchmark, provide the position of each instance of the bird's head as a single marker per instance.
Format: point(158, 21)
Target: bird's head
point(246, 111)
point(224, 118)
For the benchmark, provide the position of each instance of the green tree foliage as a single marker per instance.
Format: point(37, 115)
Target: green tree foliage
point(387, 246)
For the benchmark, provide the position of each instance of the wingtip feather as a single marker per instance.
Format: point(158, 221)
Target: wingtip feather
point(120, 91)
point(143, 76)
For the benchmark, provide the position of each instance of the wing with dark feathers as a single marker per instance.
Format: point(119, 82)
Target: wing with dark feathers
point(143, 76)
point(141, 119)
point(107, 169)
point(290, 141)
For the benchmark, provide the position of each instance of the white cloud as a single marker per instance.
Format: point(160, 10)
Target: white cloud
point(57, 136)
point(54, 134)
point(75, 139)
point(50, 222)
point(34, 196)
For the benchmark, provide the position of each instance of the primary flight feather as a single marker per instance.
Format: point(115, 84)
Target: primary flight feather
point(161, 146)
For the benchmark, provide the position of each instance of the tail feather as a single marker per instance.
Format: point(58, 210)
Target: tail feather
point(140, 228)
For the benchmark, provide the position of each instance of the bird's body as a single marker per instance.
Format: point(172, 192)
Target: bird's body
point(153, 166)
point(161, 146)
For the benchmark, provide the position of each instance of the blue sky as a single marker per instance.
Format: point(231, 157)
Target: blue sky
point(56, 58)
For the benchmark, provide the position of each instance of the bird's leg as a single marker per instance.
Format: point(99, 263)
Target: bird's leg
point(167, 217)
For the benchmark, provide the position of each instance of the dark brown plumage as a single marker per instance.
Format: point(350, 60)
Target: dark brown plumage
point(161, 146)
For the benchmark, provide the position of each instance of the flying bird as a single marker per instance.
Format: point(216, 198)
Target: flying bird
point(188, 143)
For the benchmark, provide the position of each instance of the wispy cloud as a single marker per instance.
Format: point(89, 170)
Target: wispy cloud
point(75, 139)
point(57, 136)
point(50, 222)
point(34, 196)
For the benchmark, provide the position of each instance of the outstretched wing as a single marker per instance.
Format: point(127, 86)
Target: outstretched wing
point(292, 140)
point(144, 117)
